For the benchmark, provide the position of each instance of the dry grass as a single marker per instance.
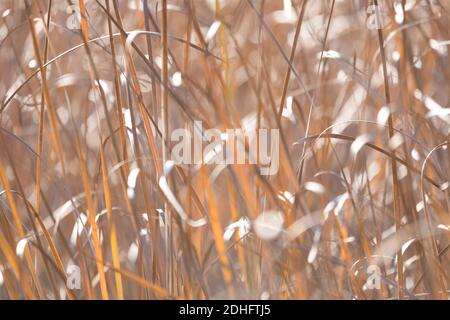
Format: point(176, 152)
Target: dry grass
point(87, 113)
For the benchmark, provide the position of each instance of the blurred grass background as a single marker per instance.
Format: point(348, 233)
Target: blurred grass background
point(91, 90)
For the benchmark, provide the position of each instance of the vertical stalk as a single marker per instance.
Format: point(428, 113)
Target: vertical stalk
point(165, 133)
point(393, 161)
